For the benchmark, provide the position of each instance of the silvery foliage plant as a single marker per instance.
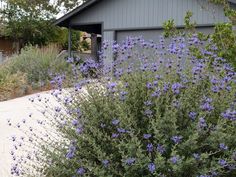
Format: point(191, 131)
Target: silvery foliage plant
point(161, 109)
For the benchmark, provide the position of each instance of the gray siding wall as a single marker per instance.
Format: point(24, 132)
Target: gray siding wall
point(109, 36)
point(151, 34)
point(146, 34)
point(135, 14)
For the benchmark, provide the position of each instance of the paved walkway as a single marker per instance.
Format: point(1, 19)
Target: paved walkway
point(15, 110)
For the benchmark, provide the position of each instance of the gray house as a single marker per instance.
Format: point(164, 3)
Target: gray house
point(117, 19)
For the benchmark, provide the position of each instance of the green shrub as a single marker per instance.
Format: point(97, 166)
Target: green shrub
point(225, 39)
point(38, 63)
point(13, 85)
point(163, 113)
point(224, 36)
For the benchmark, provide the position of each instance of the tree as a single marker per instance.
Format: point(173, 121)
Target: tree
point(33, 23)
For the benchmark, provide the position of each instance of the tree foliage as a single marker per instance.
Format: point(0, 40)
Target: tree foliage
point(229, 12)
point(224, 35)
point(32, 24)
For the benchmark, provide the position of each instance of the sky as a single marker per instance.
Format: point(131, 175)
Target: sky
point(62, 9)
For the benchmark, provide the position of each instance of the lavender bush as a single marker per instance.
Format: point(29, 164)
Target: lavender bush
point(159, 112)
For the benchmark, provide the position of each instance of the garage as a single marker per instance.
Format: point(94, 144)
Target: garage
point(153, 34)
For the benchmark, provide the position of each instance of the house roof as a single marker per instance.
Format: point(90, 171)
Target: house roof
point(64, 20)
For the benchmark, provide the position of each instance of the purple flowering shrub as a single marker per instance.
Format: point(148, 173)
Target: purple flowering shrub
point(159, 112)
point(90, 68)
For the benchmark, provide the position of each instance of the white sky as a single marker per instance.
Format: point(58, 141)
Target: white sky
point(62, 9)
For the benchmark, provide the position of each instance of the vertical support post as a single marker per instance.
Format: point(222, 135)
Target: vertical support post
point(17, 42)
point(69, 42)
point(94, 46)
point(1, 57)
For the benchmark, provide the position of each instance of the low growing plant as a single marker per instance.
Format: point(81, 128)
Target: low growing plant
point(159, 112)
point(36, 65)
point(12, 86)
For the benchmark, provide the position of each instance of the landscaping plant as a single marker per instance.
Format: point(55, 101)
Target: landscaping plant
point(34, 67)
point(157, 111)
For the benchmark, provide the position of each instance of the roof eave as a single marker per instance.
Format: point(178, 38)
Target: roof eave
point(64, 20)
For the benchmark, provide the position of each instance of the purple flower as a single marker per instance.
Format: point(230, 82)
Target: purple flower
point(156, 93)
point(70, 60)
point(154, 67)
point(118, 73)
point(121, 130)
point(130, 161)
point(174, 159)
point(176, 88)
point(57, 109)
point(78, 87)
point(79, 130)
point(111, 86)
point(222, 162)
point(12, 152)
point(149, 85)
point(229, 114)
point(158, 77)
point(115, 135)
point(176, 139)
point(214, 174)
point(202, 123)
point(78, 112)
point(204, 176)
point(192, 115)
point(228, 88)
point(215, 89)
point(71, 152)
point(166, 87)
point(143, 67)
point(13, 138)
point(75, 122)
point(123, 95)
point(214, 81)
point(105, 163)
point(80, 171)
point(223, 147)
point(115, 121)
point(155, 83)
point(161, 149)
point(18, 125)
point(150, 147)
point(206, 106)
point(151, 167)
point(147, 136)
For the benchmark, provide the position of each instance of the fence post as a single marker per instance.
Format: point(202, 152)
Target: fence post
point(1, 57)
point(69, 42)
